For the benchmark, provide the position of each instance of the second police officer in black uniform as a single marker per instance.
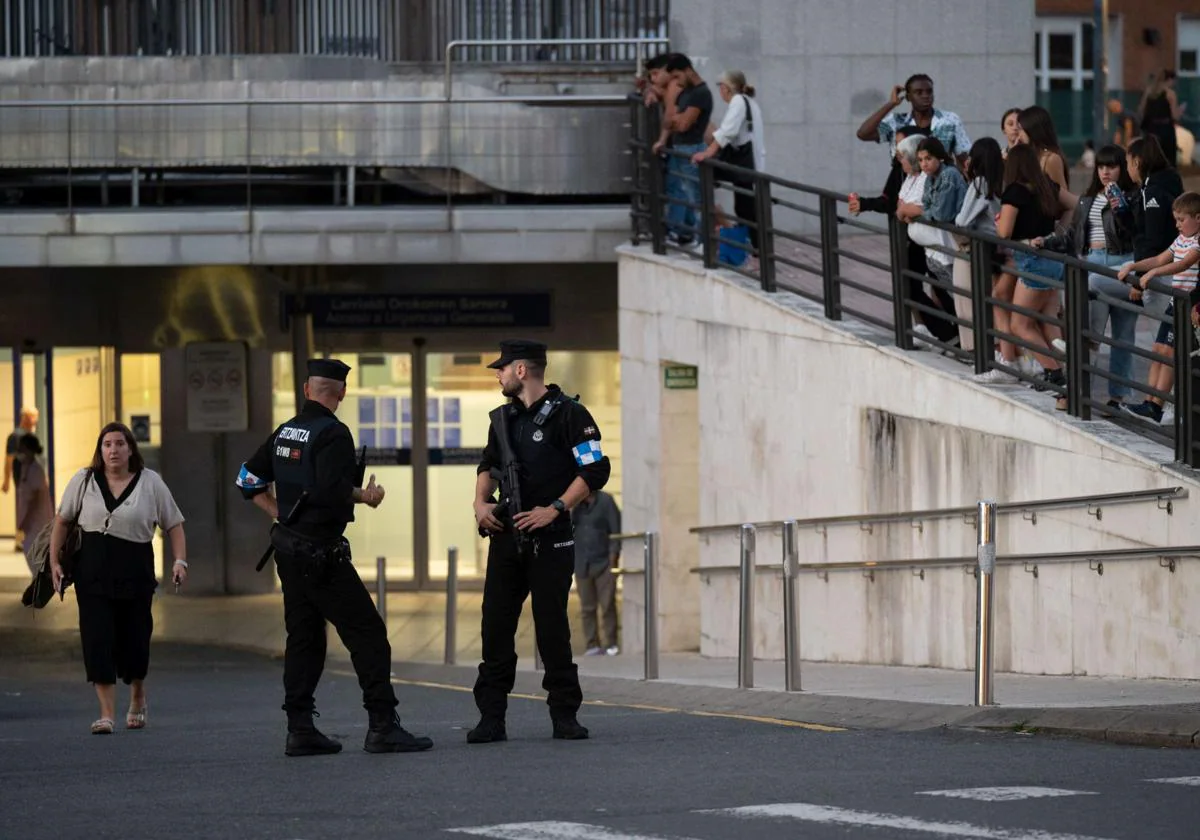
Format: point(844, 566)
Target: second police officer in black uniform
point(310, 459)
point(554, 458)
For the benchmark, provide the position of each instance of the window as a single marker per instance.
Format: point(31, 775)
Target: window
point(1188, 63)
point(1064, 53)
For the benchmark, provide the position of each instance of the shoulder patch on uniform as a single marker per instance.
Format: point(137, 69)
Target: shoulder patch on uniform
point(249, 480)
point(590, 430)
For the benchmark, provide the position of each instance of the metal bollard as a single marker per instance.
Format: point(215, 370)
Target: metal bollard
point(791, 609)
point(381, 587)
point(451, 605)
point(650, 558)
point(746, 611)
point(986, 553)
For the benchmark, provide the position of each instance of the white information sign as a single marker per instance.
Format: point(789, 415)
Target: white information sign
point(216, 386)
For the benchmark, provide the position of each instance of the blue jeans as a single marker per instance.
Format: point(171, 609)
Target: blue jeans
point(1124, 322)
point(1042, 267)
point(683, 184)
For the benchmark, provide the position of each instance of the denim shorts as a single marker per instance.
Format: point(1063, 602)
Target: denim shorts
point(1166, 330)
point(1041, 266)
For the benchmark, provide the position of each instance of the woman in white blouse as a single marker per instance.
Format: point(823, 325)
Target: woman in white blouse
point(117, 504)
point(738, 140)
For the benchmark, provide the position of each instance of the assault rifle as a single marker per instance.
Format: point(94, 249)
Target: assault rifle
point(508, 475)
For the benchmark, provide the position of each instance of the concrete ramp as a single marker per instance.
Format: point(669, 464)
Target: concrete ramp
point(794, 416)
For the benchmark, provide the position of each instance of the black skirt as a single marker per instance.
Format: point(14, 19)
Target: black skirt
point(111, 567)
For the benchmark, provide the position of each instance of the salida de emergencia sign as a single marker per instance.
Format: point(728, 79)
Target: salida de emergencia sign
point(681, 376)
point(426, 311)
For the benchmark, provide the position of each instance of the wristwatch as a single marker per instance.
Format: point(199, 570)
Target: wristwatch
point(559, 505)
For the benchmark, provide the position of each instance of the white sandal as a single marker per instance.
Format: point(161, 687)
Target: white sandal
point(104, 726)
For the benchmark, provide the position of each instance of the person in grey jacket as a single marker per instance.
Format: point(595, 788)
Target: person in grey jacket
point(596, 519)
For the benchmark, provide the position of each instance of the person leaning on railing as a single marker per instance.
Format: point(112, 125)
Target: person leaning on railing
point(985, 183)
point(1103, 234)
point(738, 141)
point(1029, 208)
point(1181, 262)
point(910, 205)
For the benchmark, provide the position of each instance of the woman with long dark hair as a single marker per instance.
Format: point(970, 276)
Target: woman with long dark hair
point(1103, 234)
point(1037, 130)
point(1029, 208)
point(118, 505)
point(985, 185)
point(1159, 112)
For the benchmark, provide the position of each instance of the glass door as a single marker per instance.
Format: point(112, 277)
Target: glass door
point(378, 411)
point(461, 391)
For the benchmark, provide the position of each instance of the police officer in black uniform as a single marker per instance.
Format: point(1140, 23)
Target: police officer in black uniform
point(556, 446)
point(310, 459)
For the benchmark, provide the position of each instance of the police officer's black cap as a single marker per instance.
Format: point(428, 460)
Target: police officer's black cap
point(328, 369)
point(520, 349)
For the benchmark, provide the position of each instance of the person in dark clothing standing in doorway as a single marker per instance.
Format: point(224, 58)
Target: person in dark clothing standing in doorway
point(310, 458)
point(544, 448)
point(596, 520)
point(1160, 112)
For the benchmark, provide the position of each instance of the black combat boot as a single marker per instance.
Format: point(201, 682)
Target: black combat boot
point(569, 729)
point(386, 735)
point(489, 730)
point(305, 739)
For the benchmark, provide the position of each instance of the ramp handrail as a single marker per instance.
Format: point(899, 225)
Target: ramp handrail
point(982, 516)
point(1096, 501)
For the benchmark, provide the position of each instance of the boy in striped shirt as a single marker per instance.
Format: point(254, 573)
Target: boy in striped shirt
point(1181, 262)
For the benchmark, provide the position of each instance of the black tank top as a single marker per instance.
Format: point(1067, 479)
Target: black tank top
point(1158, 113)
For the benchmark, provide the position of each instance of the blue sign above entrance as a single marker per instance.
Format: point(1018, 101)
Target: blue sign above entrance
point(425, 311)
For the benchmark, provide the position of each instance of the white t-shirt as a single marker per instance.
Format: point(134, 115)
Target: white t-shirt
point(149, 506)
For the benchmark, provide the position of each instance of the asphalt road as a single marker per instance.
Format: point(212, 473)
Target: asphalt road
point(211, 765)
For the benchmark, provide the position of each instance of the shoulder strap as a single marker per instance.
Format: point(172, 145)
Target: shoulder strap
point(749, 112)
point(87, 478)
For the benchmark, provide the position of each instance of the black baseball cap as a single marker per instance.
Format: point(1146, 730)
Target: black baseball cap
point(328, 369)
point(518, 349)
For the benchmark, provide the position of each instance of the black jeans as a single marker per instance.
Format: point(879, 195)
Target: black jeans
point(337, 597)
point(942, 329)
point(545, 574)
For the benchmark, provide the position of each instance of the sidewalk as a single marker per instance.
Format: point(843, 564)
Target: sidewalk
point(1151, 712)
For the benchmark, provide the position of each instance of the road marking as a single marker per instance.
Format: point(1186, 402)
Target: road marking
point(1194, 781)
point(794, 724)
point(556, 831)
point(1005, 794)
point(843, 816)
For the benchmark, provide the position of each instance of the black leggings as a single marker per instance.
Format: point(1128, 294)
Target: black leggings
point(746, 208)
point(115, 633)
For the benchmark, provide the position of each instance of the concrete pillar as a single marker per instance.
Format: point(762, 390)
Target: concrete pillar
point(225, 534)
point(679, 490)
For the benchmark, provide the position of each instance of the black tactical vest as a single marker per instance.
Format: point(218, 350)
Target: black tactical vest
point(294, 462)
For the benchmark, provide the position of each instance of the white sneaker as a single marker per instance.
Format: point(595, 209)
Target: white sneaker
point(1030, 366)
point(613, 650)
point(920, 331)
point(594, 651)
point(995, 376)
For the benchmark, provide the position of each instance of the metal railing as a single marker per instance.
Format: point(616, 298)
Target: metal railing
point(872, 281)
point(387, 30)
point(649, 571)
point(340, 151)
point(637, 43)
point(983, 516)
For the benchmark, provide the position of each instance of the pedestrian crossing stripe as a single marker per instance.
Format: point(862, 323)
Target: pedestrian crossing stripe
point(798, 811)
point(557, 831)
point(1194, 781)
point(828, 815)
point(1005, 794)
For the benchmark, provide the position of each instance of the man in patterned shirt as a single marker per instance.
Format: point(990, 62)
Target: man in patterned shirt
point(944, 125)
